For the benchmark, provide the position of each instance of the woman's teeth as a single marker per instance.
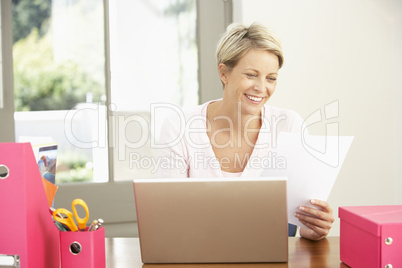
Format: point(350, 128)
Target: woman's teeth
point(253, 98)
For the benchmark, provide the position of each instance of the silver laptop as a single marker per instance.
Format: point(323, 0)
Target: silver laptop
point(220, 220)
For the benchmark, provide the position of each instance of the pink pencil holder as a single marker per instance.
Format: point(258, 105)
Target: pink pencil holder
point(83, 249)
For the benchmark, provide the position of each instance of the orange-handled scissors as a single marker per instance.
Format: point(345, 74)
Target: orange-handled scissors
point(68, 220)
point(82, 222)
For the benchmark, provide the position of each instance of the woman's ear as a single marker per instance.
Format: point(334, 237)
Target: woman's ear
point(223, 71)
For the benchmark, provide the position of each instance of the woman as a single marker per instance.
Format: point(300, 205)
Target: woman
point(228, 137)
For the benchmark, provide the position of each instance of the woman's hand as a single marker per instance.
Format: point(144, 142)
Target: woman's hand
point(319, 222)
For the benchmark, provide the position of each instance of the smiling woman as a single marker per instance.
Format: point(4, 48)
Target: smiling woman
point(235, 130)
point(248, 61)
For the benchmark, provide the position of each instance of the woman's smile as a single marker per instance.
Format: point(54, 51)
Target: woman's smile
point(254, 99)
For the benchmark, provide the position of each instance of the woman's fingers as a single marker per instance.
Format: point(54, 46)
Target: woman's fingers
point(319, 221)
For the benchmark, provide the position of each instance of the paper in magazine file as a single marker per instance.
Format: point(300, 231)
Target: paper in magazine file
point(311, 164)
point(46, 158)
point(45, 152)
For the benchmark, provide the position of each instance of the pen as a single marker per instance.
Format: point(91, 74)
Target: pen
point(96, 224)
point(93, 225)
point(100, 222)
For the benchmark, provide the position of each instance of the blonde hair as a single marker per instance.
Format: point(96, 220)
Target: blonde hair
point(239, 39)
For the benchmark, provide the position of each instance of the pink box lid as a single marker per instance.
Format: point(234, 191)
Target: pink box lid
point(371, 218)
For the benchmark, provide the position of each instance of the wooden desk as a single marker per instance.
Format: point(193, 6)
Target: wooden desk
point(125, 252)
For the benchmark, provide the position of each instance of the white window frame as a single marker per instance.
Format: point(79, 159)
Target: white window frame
point(114, 201)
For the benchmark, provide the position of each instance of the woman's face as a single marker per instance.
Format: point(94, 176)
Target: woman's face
point(252, 81)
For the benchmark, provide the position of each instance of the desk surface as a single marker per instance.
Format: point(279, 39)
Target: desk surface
point(125, 252)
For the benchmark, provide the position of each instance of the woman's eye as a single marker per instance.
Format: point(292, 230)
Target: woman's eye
point(272, 78)
point(251, 75)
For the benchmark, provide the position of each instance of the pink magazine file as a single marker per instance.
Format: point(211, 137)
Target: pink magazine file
point(83, 249)
point(371, 236)
point(26, 226)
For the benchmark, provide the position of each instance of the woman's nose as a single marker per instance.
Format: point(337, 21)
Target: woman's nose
point(259, 85)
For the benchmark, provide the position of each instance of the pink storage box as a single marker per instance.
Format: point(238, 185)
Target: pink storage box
point(83, 249)
point(371, 236)
point(26, 226)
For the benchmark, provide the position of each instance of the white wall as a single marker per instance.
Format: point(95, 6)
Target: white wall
point(348, 51)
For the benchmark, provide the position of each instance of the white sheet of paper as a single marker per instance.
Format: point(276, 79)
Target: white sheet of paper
point(311, 164)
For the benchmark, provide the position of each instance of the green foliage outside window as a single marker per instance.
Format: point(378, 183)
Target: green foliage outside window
point(41, 83)
point(73, 167)
point(29, 14)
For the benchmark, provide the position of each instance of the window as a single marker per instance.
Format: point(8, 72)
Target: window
point(59, 79)
point(154, 59)
point(59, 63)
point(153, 51)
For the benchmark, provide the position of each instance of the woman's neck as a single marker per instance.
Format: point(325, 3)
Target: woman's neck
point(229, 116)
